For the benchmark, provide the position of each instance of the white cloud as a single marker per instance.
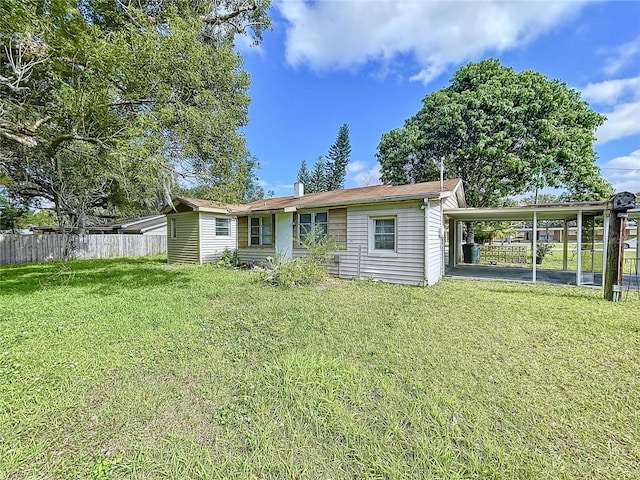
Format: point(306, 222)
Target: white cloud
point(329, 35)
point(622, 97)
point(621, 122)
point(624, 172)
point(611, 92)
point(623, 55)
point(356, 166)
point(362, 174)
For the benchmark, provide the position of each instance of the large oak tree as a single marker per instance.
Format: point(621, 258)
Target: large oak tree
point(104, 103)
point(503, 133)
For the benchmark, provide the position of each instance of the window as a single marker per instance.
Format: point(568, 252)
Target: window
point(174, 230)
point(384, 234)
point(261, 231)
point(312, 222)
point(222, 227)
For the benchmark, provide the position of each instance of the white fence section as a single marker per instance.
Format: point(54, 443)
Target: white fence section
point(45, 248)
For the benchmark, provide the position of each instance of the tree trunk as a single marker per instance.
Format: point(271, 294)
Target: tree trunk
point(471, 232)
point(615, 257)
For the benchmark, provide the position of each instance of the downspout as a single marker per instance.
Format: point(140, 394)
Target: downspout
point(441, 237)
point(426, 207)
point(237, 222)
point(199, 238)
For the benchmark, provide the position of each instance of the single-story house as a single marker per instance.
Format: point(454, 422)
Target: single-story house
point(384, 232)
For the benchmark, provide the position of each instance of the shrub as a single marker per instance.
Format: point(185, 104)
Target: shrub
point(300, 271)
point(310, 270)
point(229, 259)
point(543, 249)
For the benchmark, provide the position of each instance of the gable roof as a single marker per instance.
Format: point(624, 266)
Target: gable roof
point(199, 205)
point(359, 195)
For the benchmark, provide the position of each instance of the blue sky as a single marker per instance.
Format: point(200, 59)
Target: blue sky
point(369, 63)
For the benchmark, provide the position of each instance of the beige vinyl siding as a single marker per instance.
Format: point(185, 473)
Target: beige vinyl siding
point(338, 226)
point(211, 245)
point(256, 254)
point(185, 247)
point(243, 232)
point(435, 243)
point(406, 265)
point(253, 253)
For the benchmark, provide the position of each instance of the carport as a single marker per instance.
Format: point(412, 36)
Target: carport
point(564, 212)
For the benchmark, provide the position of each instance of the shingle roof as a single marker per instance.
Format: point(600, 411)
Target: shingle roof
point(199, 204)
point(347, 196)
point(350, 196)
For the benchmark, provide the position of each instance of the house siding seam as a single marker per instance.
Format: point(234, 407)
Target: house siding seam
point(185, 247)
point(212, 246)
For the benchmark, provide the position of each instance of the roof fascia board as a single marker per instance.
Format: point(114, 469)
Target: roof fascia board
point(524, 211)
point(311, 206)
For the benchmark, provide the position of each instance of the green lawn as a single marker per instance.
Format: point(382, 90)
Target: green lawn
point(138, 369)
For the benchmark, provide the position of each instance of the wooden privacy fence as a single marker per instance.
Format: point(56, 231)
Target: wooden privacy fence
point(45, 248)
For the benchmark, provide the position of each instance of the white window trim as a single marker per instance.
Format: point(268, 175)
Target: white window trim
point(228, 227)
point(173, 233)
point(260, 244)
point(372, 232)
point(313, 222)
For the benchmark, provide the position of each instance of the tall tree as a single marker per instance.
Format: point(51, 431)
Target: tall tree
point(318, 178)
point(338, 159)
point(502, 132)
point(104, 105)
point(304, 176)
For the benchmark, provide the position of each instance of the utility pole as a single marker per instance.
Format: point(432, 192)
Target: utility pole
point(620, 204)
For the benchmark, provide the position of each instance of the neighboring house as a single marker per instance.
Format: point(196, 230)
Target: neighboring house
point(152, 225)
point(389, 233)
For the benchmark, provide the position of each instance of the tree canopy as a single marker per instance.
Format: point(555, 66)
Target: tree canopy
point(105, 104)
point(503, 133)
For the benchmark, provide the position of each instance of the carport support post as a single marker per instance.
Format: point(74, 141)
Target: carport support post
point(605, 243)
point(453, 241)
point(565, 246)
point(534, 248)
point(579, 247)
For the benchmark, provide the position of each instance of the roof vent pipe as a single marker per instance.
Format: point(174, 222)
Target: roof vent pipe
point(298, 190)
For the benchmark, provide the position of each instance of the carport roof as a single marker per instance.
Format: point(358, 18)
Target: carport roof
point(552, 211)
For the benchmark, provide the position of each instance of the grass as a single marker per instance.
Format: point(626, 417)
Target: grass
point(138, 369)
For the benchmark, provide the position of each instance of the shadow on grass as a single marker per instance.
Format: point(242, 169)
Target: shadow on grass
point(546, 290)
point(101, 276)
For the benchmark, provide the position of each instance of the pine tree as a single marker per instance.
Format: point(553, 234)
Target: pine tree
point(318, 179)
point(338, 158)
point(304, 176)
